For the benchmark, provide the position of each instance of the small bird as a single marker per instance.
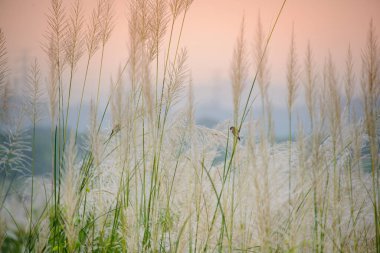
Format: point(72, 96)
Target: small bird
point(235, 132)
point(115, 130)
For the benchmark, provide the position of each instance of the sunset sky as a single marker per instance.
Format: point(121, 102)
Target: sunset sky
point(209, 35)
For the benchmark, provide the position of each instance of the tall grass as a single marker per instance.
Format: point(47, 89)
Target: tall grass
point(4, 84)
point(370, 90)
point(292, 84)
point(152, 180)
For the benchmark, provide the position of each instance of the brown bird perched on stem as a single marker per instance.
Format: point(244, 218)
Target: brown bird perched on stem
point(115, 130)
point(235, 132)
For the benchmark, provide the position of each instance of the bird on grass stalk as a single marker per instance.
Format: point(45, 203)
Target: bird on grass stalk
point(115, 130)
point(235, 132)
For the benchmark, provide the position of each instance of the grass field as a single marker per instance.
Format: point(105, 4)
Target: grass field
point(152, 180)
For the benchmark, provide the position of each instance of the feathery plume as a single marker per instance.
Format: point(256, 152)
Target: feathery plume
point(177, 75)
point(158, 25)
point(310, 83)
point(177, 6)
point(4, 84)
point(55, 36)
point(349, 79)
point(70, 194)
point(334, 103)
point(14, 149)
point(34, 92)
point(239, 70)
point(292, 73)
point(260, 61)
point(106, 26)
point(73, 44)
point(54, 49)
point(105, 21)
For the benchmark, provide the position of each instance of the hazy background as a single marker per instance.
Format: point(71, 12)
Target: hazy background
point(209, 35)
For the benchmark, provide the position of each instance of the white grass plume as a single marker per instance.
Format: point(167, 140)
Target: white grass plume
point(239, 70)
point(70, 191)
point(35, 93)
point(310, 83)
point(4, 84)
point(74, 39)
point(177, 76)
point(349, 82)
point(13, 151)
point(260, 63)
point(292, 73)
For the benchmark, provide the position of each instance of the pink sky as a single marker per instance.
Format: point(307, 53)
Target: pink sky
point(210, 33)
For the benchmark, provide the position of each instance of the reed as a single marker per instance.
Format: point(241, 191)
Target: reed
point(292, 84)
point(4, 84)
point(370, 91)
